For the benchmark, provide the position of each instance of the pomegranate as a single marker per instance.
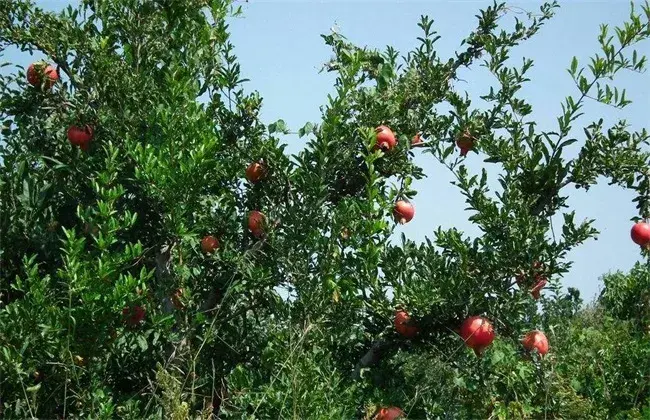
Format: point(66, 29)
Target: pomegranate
point(256, 220)
point(80, 136)
point(477, 333)
point(641, 234)
point(536, 340)
point(404, 324)
point(389, 413)
point(255, 172)
point(465, 143)
point(403, 211)
point(133, 315)
point(36, 71)
point(386, 140)
point(209, 244)
point(417, 140)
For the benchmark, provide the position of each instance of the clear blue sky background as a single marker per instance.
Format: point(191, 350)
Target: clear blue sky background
point(280, 50)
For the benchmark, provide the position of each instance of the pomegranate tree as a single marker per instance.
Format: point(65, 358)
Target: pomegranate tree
point(300, 323)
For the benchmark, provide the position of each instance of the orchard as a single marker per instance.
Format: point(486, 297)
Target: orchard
point(163, 256)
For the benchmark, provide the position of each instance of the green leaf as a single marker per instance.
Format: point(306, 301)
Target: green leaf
point(142, 343)
point(278, 127)
point(574, 66)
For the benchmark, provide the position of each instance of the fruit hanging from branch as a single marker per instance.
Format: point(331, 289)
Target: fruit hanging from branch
point(256, 220)
point(389, 413)
point(255, 172)
point(404, 324)
point(641, 234)
point(209, 244)
point(386, 140)
point(465, 142)
point(41, 74)
point(535, 340)
point(80, 136)
point(477, 332)
point(403, 211)
point(133, 315)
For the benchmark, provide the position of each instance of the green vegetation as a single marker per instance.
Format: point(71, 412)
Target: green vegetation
point(137, 283)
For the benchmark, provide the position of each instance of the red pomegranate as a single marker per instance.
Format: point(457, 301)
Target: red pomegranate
point(417, 140)
point(80, 136)
point(389, 413)
point(209, 244)
point(404, 324)
point(465, 142)
point(36, 71)
point(536, 340)
point(256, 220)
point(641, 233)
point(255, 172)
point(133, 315)
point(477, 332)
point(386, 140)
point(403, 211)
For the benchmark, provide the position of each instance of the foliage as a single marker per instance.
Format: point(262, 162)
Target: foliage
point(296, 323)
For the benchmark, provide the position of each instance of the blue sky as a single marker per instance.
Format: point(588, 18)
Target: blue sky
point(279, 47)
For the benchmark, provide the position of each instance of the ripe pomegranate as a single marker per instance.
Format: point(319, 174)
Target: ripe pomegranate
point(80, 136)
point(36, 71)
point(465, 142)
point(255, 172)
point(389, 413)
point(417, 140)
point(209, 244)
point(256, 220)
point(477, 333)
point(403, 211)
point(386, 140)
point(404, 324)
point(641, 233)
point(536, 340)
point(133, 315)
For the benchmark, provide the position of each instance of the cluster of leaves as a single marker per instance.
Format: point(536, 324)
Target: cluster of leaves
point(296, 323)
